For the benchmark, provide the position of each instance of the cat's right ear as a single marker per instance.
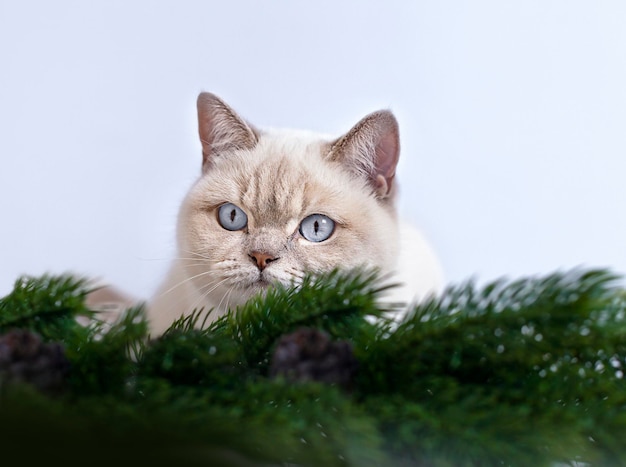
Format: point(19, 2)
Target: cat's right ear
point(371, 150)
point(221, 129)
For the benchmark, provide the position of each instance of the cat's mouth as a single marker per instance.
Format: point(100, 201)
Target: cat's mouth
point(258, 284)
point(263, 283)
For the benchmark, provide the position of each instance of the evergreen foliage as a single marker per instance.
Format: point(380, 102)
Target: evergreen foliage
point(529, 372)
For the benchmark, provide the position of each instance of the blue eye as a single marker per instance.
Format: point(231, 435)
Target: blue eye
point(317, 227)
point(232, 217)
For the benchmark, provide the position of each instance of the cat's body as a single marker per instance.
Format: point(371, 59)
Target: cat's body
point(271, 206)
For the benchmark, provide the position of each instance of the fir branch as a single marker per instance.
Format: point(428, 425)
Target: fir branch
point(48, 305)
point(526, 372)
point(475, 431)
point(194, 321)
point(103, 357)
point(192, 357)
point(179, 428)
point(522, 323)
point(337, 302)
point(541, 350)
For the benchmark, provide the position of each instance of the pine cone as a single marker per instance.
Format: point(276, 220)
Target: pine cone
point(25, 358)
point(309, 355)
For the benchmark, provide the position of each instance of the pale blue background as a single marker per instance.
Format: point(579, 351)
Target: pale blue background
point(512, 114)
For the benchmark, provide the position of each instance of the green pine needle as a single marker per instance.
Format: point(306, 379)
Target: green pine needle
point(48, 305)
point(525, 372)
point(338, 303)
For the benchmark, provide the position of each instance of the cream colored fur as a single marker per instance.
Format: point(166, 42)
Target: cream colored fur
point(278, 178)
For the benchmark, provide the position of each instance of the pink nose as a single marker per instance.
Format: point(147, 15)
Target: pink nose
point(261, 259)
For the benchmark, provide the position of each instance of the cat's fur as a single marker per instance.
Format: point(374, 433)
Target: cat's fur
point(278, 178)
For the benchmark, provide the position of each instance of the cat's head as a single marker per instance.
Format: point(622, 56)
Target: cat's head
point(272, 205)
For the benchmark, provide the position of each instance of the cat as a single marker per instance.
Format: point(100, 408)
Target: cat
point(271, 205)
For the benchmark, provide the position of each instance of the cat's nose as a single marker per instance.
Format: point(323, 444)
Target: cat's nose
point(261, 259)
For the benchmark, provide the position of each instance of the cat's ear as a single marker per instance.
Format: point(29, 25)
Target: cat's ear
point(221, 129)
point(371, 149)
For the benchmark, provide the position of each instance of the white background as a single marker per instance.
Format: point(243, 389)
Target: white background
point(512, 114)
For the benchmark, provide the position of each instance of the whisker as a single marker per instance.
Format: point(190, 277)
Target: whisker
point(225, 296)
point(187, 280)
point(196, 258)
point(211, 286)
point(198, 263)
point(195, 253)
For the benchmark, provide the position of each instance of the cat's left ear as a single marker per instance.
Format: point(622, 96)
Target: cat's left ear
point(371, 149)
point(221, 129)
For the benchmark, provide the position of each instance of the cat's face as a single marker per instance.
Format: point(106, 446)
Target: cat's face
point(270, 207)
